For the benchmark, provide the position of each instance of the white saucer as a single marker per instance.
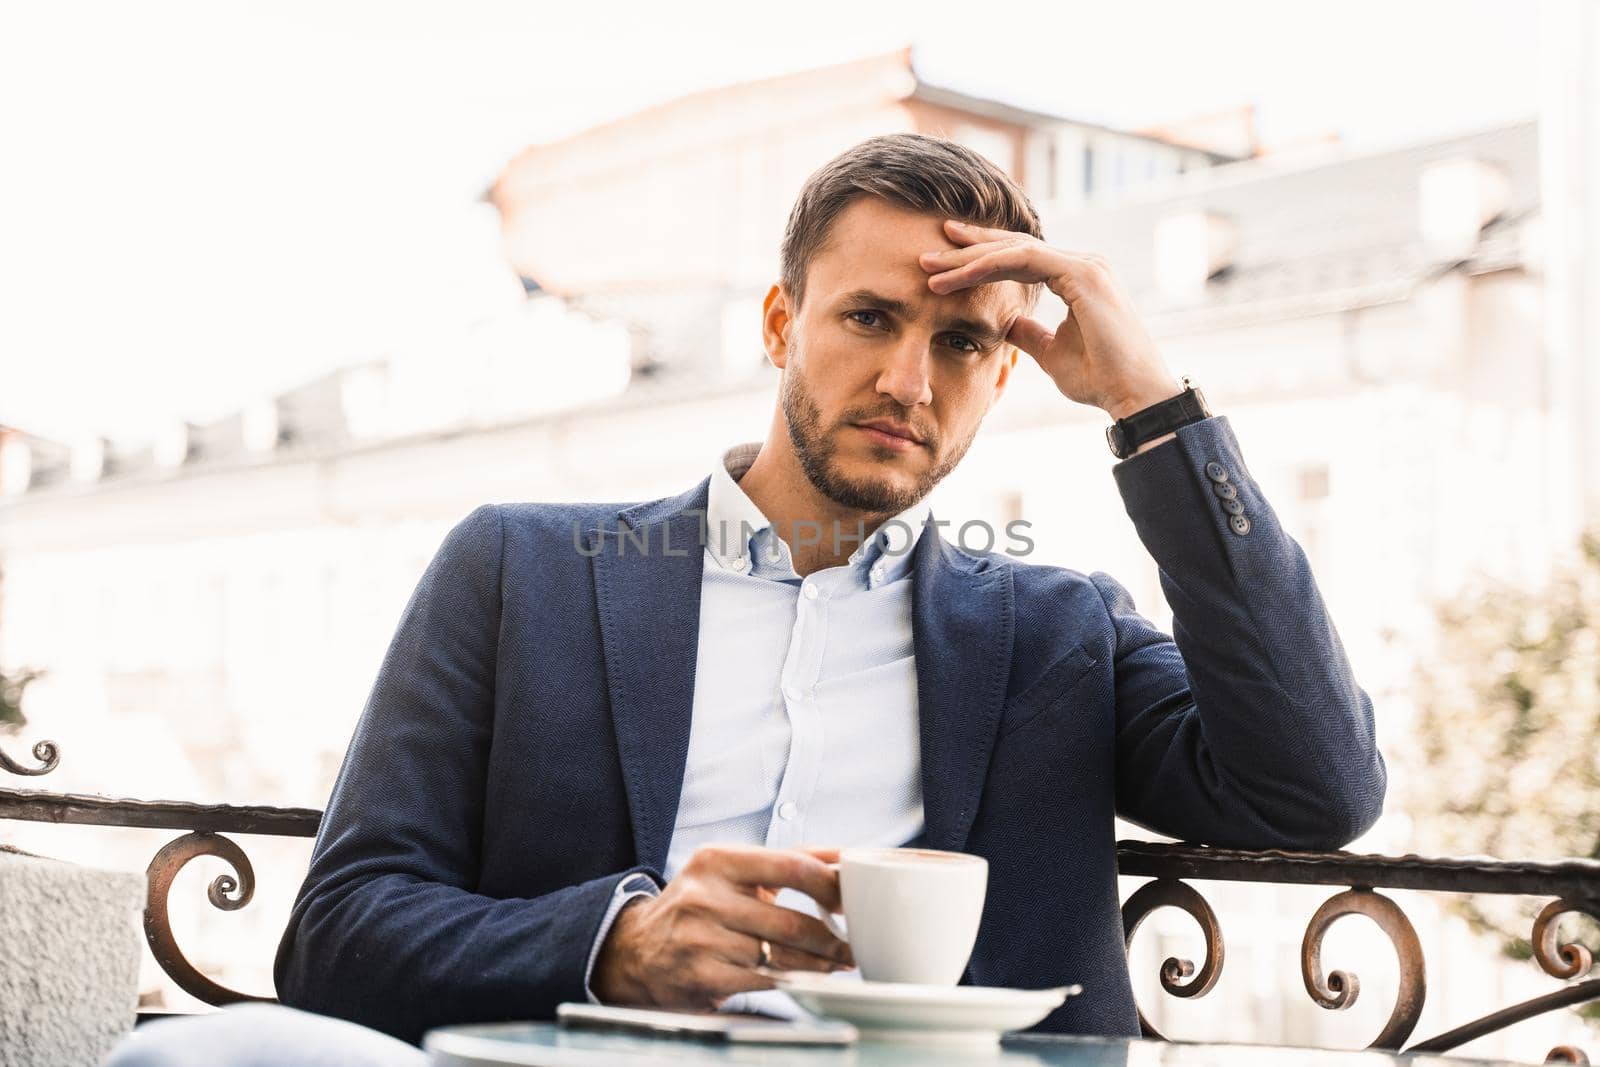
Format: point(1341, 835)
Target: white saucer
point(922, 1014)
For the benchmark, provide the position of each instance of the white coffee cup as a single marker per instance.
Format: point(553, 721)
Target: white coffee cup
point(912, 913)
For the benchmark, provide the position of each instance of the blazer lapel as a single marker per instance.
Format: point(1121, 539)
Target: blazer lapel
point(647, 572)
point(962, 625)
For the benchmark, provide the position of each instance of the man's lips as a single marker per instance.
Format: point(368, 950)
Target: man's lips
point(890, 433)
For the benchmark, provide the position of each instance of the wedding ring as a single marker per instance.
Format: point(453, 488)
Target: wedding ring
point(766, 954)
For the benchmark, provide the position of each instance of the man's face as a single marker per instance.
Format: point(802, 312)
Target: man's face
point(872, 344)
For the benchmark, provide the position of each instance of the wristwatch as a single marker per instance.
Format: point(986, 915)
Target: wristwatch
point(1126, 435)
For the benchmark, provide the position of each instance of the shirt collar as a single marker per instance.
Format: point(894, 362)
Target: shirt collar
point(740, 537)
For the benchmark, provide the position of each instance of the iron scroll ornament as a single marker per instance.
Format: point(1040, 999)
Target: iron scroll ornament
point(46, 752)
point(1171, 893)
point(227, 892)
point(1339, 989)
point(1557, 960)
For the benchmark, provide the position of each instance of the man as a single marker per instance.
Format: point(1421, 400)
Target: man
point(609, 745)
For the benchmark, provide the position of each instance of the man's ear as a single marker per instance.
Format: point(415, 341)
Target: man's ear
point(776, 322)
point(1008, 362)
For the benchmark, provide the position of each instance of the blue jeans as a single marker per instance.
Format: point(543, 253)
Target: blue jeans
point(261, 1035)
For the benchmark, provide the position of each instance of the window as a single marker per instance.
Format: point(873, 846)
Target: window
point(1314, 482)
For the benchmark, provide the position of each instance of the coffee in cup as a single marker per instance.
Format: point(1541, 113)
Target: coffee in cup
point(912, 913)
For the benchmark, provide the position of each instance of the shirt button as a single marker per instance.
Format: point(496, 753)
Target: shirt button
point(811, 592)
point(737, 563)
point(792, 694)
point(787, 810)
point(877, 573)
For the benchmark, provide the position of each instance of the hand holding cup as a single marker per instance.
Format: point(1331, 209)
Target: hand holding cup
point(715, 929)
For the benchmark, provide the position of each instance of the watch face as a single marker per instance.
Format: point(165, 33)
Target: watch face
point(1114, 438)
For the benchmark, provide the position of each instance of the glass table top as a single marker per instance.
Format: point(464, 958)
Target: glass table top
point(549, 1045)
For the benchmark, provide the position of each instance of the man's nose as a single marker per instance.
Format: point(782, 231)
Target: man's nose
point(906, 377)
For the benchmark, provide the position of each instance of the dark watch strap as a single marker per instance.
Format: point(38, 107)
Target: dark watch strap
point(1126, 435)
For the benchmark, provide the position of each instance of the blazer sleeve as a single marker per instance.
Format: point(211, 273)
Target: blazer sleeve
point(1246, 728)
point(387, 930)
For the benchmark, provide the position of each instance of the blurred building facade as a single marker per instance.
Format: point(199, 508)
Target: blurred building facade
point(1373, 325)
point(670, 219)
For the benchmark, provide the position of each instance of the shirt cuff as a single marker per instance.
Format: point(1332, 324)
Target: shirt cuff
point(630, 888)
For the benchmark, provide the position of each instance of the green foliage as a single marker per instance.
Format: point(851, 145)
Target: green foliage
point(11, 688)
point(1506, 760)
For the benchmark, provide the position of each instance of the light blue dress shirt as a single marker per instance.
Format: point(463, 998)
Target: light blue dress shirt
point(804, 728)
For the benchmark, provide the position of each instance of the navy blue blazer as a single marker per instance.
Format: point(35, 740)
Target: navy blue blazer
point(523, 747)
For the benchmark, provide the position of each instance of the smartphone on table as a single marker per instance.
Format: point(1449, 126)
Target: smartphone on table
point(711, 1026)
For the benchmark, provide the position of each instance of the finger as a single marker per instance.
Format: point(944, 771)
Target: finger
point(978, 240)
point(743, 950)
point(1031, 335)
point(788, 958)
point(783, 926)
point(947, 258)
point(1017, 263)
point(713, 979)
point(963, 232)
point(778, 868)
point(1068, 274)
point(826, 855)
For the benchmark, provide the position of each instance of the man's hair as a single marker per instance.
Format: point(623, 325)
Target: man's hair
point(911, 170)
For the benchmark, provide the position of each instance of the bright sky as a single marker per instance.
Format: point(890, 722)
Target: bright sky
point(203, 202)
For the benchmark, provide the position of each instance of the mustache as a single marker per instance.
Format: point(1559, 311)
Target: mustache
point(928, 434)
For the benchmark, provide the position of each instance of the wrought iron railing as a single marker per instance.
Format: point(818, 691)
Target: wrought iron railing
point(1572, 887)
point(204, 826)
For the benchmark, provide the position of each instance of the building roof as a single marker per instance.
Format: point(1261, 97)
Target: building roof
point(1021, 116)
point(1314, 223)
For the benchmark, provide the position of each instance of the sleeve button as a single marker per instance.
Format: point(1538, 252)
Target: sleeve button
point(1233, 507)
point(1240, 524)
point(1215, 472)
point(1226, 490)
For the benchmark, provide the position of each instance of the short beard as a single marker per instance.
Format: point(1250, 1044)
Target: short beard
point(814, 447)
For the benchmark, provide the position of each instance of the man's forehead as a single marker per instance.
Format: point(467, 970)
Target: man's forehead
point(875, 246)
point(902, 280)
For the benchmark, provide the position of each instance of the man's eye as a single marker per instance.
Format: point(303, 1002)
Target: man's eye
point(870, 314)
point(964, 343)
